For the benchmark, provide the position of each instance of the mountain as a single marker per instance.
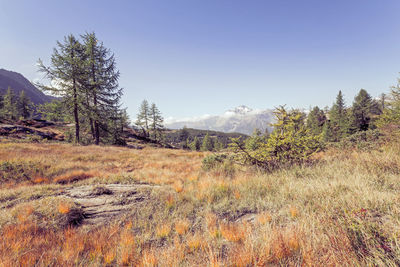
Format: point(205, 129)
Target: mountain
point(241, 119)
point(18, 83)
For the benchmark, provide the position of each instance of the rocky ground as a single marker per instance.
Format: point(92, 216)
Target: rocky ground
point(105, 202)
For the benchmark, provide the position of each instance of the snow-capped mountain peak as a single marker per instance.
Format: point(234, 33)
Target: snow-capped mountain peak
point(241, 119)
point(240, 110)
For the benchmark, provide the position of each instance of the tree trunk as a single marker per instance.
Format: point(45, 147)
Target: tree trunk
point(96, 123)
point(76, 117)
point(90, 116)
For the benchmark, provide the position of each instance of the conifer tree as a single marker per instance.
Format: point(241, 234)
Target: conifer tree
point(327, 132)
point(391, 107)
point(184, 137)
point(187, 144)
point(207, 144)
point(316, 120)
point(156, 122)
point(195, 145)
point(218, 145)
point(9, 109)
point(52, 111)
point(101, 82)
point(143, 118)
point(1, 107)
point(24, 105)
point(66, 73)
point(255, 140)
point(339, 119)
point(289, 143)
point(363, 110)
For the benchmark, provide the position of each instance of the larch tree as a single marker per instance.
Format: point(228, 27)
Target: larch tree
point(9, 110)
point(391, 107)
point(195, 145)
point(52, 111)
point(156, 122)
point(102, 88)
point(143, 118)
point(24, 105)
point(207, 144)
point(66, 73)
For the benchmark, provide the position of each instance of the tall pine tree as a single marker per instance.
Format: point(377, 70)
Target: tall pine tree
point(363, 111)
point(143, 118)
point(66, 74)
point(339, 119)
point(156, 122)
point(101, 82)
point(24, 105)
point(9, 110)
point(316, 120)
point(207, 144)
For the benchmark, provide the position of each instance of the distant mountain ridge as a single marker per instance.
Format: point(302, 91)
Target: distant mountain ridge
point(241, 119)
point(18, 82)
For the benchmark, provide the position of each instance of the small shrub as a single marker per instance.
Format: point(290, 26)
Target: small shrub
point(219, 163)
point(363, 140)
point(11, 171)
point(212, 161)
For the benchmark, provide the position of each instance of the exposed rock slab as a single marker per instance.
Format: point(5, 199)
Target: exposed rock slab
point(103, 203)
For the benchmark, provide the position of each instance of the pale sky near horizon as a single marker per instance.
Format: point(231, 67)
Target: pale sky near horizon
point(204, 57)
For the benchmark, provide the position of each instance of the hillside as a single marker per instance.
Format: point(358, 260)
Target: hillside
point(176, 137)
point(18, 83)
point(241, 119)
point(101, 205)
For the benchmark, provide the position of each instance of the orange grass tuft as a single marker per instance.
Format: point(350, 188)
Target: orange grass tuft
point(293, 212)
point(149, 258)
point(233, 232)
point(74, 176)
point(195, 242)
point(182, 226)
point(64, 208)
point(163, 230)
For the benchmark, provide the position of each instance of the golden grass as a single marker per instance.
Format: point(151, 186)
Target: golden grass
point(343, 211)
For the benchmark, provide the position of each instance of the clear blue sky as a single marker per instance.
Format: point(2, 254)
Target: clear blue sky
point(193, 57)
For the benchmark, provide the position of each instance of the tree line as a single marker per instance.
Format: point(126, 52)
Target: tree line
point(15, 107)
point(297, 136)
point(83, 73)
point(341, 121)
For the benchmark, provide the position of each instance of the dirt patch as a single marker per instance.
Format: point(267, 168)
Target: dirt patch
point(103, 203)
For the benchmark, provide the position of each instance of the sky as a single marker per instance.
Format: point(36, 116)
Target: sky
point(195, 57)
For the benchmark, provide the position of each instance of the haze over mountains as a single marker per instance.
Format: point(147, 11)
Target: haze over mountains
point(241, 119)
point(18, 83)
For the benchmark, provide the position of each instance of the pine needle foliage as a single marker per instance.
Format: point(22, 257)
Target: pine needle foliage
point(291, 142)
point(83, 73)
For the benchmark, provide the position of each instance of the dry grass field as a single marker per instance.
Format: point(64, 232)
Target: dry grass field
point(158, 207)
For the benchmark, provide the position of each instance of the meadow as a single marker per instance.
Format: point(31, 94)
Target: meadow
point(342, 210)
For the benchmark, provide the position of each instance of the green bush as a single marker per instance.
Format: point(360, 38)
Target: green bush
point(19, 171)
point(363, 140)
point(212, 161)
point(219, 163)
